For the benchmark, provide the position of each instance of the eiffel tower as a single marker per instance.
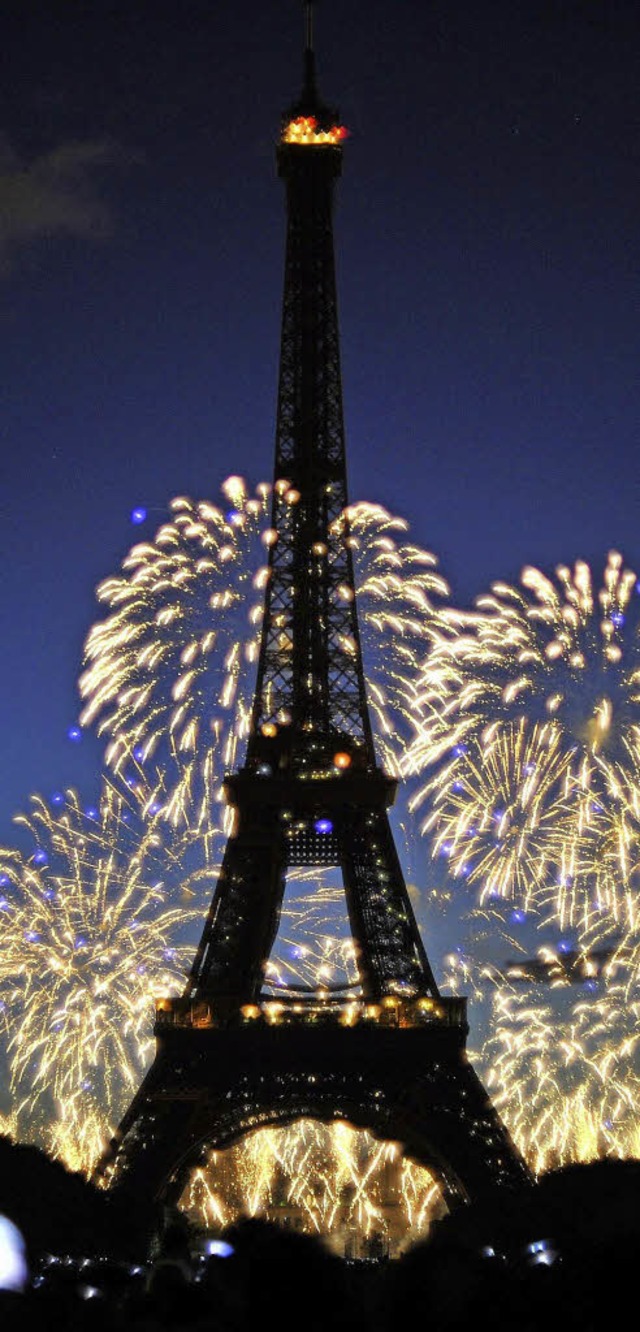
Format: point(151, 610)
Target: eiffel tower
point(229, 1058)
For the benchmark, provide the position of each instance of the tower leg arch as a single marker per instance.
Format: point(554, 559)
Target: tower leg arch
point(413, 1087)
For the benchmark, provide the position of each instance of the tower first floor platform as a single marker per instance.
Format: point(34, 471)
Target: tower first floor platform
point(211, 1084)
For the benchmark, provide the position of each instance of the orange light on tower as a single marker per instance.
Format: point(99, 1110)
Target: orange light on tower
point(342, 760)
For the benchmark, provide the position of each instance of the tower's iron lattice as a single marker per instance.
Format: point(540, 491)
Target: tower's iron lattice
point(310, 793)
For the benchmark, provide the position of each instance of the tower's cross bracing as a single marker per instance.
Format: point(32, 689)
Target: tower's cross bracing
point(310, 699)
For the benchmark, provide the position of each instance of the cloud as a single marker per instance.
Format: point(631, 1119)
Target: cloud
point(52, 195)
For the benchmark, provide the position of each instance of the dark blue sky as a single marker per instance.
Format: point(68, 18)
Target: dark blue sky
point(488, 253)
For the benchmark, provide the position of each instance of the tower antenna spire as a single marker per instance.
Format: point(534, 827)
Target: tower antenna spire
point(310, 91)
point(308, 5)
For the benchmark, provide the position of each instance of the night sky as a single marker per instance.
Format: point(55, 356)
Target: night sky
point(488, 244)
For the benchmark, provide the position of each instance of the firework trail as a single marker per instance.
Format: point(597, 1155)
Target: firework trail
point(89, 939)
point(314, 949)
point(335, 1178)
point(170, 671)
point(396, 584)
point(529, 736)
point(168, 668)
point(562, 1067)
point(497, 817)
point(558, 1046)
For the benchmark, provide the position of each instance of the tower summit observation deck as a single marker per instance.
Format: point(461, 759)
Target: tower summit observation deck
point(390, 1056)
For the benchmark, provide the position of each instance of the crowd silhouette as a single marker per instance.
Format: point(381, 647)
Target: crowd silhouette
point(560, 1253)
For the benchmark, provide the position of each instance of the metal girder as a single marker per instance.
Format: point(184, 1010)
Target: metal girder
point(310, 665)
